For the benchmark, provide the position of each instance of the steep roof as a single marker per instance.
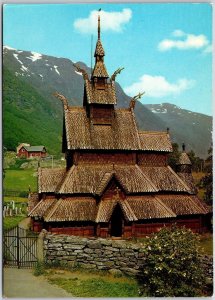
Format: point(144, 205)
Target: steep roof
point(72, 209)
point(100, 96)
point(93, 179)
point(155, 141)
point(183, 204)
point(184, 159)
point(188, 179)
point(49, 179)
point(165, 179)
point(100, 70)
point(149, 207)
point(144, 207)
point(122, 134)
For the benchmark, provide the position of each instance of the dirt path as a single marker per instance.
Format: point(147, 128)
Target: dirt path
point(21, 283)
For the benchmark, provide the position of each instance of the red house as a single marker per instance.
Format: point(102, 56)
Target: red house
point(117, 181)
point(27, 151)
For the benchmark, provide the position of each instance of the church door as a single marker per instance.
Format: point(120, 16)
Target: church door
point(116, 222)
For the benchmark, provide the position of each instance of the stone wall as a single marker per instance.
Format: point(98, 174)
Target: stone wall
point(101, 254)
point(94, 253)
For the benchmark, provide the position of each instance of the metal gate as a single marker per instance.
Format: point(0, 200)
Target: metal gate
point(20, 250)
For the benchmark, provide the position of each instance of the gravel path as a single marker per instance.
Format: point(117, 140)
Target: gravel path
point(21, 283)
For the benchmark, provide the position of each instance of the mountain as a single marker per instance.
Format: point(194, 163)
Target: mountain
point(193, 128)
point(40, 76)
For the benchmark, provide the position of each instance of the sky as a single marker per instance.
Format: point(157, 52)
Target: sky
point(165, 49)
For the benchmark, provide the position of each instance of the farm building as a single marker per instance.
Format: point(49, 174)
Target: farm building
point(117, 181)
point(27, 151)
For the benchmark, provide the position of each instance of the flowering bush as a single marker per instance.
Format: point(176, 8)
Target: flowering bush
point(172, 265)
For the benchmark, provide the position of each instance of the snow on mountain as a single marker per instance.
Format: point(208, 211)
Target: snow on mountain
point(35, 56)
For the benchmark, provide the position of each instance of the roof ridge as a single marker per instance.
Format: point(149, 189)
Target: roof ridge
point(166, 207)
point(175, 174)
point(52, 209)
point(129, 208)
point(67, 174)
point(35, 207)
point(148, 179)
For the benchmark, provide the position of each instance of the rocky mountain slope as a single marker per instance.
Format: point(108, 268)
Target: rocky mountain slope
point(42, 75)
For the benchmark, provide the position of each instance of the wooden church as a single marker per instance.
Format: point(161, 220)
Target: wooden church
point(117, 182)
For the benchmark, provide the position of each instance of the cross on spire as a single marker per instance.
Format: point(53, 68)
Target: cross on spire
point(99, 26)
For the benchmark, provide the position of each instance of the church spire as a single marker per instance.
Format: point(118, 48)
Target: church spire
point(99, 70)
point(99, 29)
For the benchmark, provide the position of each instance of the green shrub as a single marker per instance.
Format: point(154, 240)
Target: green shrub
point(172, 266)
point(39, 269)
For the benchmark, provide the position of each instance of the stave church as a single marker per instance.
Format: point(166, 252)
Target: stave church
point(117, 181)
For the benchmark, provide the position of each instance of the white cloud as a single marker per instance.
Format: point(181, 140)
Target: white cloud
point(109, 21)
point(187, 41)
point(158, 86)
point(178, 33)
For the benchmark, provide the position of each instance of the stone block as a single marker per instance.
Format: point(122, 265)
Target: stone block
point(87, 266)
point(115, 272)
point(87, 250)
point(129, 271)
point(105, 242)
point(73, 246)
point(94, 244)
point(112, 249)
point(119, 244)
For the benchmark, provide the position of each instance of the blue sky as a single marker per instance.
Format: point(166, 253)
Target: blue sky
point(164, 48)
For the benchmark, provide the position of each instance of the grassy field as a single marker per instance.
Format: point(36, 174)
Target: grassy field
point(11, 222)
point(82, 283)
point(19, 180)
point(16, 199)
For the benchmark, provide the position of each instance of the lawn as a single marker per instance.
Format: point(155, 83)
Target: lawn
point(11, 222)
point(82, 283)
point(20, 180)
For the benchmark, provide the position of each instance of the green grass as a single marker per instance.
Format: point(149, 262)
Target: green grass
point(11, 222)
point(16, 199)
point(206, 243)
point(19, 180)
point(95, 286)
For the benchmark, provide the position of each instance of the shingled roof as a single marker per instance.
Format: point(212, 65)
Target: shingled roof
point(100, 70)
point(165, 179)
point(155, 141)
point(93, 179)
point(122, 134)
point(134, 208)
point(184, 159)
point(184, 204)
point(100, 96)
point(49, 179)
point(72, 209)
point(149, 207)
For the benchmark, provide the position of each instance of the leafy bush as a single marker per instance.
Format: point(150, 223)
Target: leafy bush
point(39, 269)
point(172, 265)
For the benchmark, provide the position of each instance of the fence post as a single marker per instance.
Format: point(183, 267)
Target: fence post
point(18, 262)
point(40, 246)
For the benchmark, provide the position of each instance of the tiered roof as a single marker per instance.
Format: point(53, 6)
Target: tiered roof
point(134, 208)
point(78, 194)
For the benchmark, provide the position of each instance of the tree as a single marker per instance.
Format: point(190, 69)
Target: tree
point(174, 156)
point(171, 265)
point(207, 181)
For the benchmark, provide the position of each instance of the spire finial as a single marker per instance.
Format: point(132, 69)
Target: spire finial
point(183, 147)
point(99, 29)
